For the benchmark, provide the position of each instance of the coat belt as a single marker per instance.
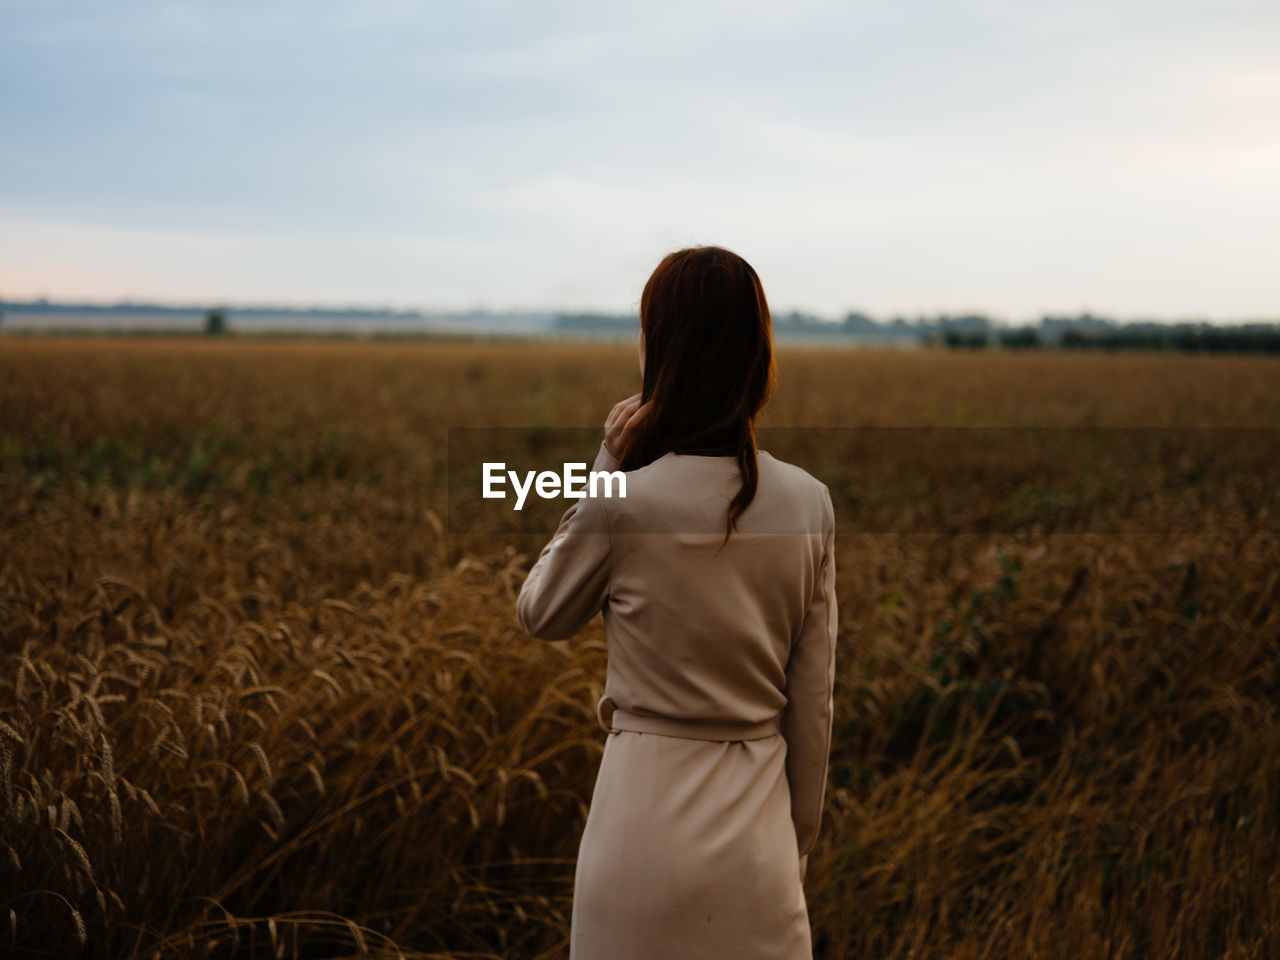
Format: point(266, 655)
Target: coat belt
point(684, 729)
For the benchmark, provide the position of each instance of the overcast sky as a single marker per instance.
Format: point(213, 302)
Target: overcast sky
point(901, 156)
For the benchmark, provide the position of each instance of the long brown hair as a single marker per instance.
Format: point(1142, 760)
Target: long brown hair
point(708, 364)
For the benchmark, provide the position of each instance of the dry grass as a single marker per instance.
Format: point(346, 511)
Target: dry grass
point(254, 702)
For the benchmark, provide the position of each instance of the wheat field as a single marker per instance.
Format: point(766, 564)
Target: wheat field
point(260, 699)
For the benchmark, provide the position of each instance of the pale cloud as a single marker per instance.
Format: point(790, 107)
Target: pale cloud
point(1005, 156)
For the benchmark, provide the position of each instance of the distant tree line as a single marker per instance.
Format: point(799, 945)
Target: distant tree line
point(129, 308)
point(1087, 332)
point(1082, 332)
point(596, 322)
point(1240, 338)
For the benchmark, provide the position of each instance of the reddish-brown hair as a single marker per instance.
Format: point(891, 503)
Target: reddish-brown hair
point(708, 364)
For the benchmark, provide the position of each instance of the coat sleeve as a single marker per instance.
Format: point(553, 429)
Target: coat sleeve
point(569, 582)
point(806, 719)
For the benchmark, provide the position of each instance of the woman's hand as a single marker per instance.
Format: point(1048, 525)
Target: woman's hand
point(621, 422)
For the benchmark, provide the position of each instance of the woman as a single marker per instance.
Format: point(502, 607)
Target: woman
point(716, 577)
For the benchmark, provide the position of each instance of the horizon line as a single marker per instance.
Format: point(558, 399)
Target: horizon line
point(388, 309)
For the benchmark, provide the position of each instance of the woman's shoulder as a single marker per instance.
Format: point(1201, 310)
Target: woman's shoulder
point(800, 482)
point(792, 473)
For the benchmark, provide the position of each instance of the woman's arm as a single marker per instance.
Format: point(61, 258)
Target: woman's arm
point(806, 719)
point(569, 581)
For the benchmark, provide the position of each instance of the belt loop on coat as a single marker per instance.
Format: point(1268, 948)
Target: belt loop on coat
point(600, 713)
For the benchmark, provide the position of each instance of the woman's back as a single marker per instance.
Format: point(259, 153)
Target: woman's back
point(697, 632)
point(721, 666)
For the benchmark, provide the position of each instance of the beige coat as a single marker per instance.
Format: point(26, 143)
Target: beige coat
point(720, 669)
